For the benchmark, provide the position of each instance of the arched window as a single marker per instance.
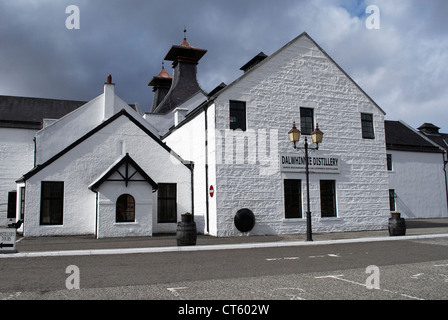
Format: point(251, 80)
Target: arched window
point(125, 208)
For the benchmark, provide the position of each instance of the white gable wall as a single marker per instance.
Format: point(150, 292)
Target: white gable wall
point(300, 75)
point(83, 164)
point(60, 134)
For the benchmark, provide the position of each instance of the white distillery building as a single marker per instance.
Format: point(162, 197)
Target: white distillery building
point(20, 119)
point(104, 168)
point(417, 172)
point(238, 142)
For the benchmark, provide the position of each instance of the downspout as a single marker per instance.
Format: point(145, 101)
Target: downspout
point(445, 162)
point(96, 216)
point(207, 210)
point(191, 166)
point(35, 147)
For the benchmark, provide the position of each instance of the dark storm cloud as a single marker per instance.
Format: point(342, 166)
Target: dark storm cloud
point(400, 66)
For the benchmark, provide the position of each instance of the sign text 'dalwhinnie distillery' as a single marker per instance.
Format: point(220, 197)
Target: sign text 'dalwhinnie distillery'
point(297, 163)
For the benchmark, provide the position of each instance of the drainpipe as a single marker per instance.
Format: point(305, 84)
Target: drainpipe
point(191, 166)
point(207, 211)
point(445, 162)
point(35, 147)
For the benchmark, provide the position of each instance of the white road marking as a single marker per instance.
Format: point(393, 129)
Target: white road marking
point(339, 277)
point(174, 290)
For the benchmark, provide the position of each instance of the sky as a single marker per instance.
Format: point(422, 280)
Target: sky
point(401, 63)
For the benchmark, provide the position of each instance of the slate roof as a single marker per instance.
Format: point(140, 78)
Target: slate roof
point(28, 113)
point(401, 137)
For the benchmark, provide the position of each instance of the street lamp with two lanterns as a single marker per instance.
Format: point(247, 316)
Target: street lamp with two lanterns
point(316, 137)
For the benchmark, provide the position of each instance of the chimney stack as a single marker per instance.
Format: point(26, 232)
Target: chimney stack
point(161, 85)
point(109, 97)
point(185, 84)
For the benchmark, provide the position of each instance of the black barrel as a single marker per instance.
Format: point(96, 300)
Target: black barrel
point(397, 225)
point(186, 233)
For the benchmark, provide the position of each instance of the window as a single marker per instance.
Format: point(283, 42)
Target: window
point(167, 203)
point(328, 198)
point(12, 200)
point(293, 198)
point(237, 115)
point(306, 120)
point(367, 126)
point(389, 162)
point(125, 210)
point(392, 199)
point(51, 203)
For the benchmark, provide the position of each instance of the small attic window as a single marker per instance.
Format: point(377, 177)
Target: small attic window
point(237, 115)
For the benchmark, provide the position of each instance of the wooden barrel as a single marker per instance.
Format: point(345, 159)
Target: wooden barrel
point(397, 227)
point(186, 233)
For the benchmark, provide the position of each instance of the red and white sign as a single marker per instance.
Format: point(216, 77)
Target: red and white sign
point(211, 191)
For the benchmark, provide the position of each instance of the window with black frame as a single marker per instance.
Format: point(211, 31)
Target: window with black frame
point(389, 162)
point(293, 198)
point(237, 115)
point(391, 199)
point(328, 198)
point(51, 203)
point(12, 200)
point(167, 203)
point(367, 126)
point(306, 121)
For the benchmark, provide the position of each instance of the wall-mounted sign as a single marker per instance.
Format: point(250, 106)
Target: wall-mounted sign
point(211, 191)
point(320, 164)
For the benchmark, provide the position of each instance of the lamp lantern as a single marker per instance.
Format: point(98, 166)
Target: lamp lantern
point(317, 135)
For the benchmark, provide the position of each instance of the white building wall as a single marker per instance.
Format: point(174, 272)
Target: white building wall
point(16, 157)
point(108, 194)
point(60, 134)
point(189, 142)
point(422, 174)
point(300, 75)
point(86, 162)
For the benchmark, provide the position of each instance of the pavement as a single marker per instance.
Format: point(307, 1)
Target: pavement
point(88, 245)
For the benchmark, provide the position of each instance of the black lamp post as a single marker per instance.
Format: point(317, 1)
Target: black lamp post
point(316, 136)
